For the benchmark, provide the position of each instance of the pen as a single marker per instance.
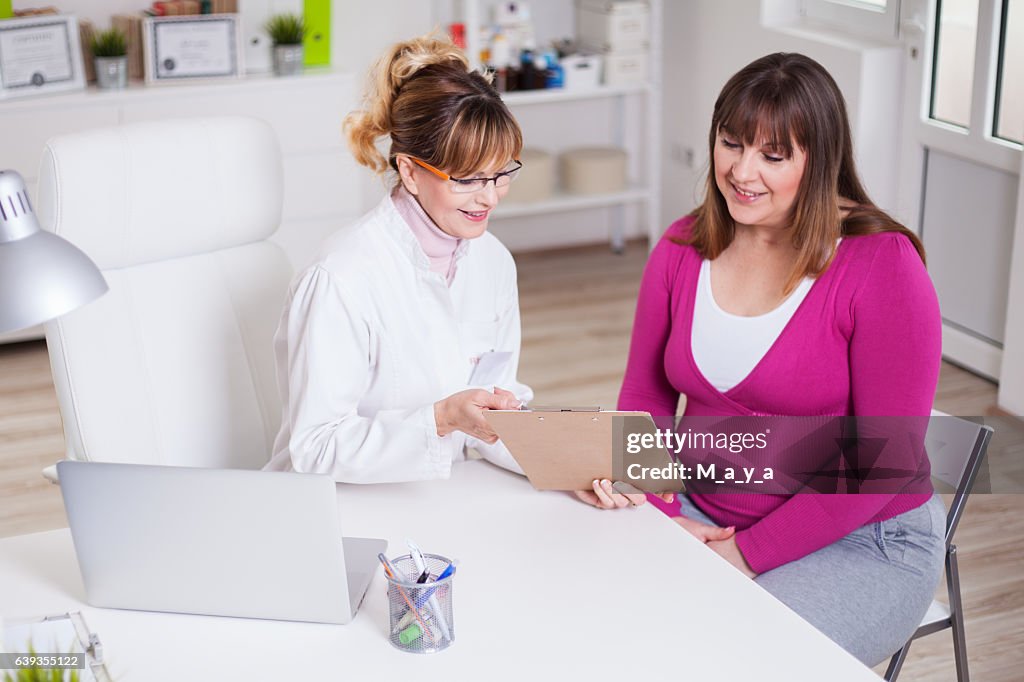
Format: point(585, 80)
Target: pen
point(412, 607)
point(427, 594)
point(422, 599)
point(417, 558)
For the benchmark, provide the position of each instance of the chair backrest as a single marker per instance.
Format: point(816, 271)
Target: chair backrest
point(956, 449)
point(175, 364)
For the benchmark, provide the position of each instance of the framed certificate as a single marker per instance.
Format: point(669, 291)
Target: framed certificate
point(40, 54)
point(189, 48)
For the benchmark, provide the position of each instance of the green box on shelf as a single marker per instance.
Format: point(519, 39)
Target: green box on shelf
point(317, 41)
point(6, 9)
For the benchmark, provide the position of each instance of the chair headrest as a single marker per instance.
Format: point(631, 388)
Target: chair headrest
point(151, 191)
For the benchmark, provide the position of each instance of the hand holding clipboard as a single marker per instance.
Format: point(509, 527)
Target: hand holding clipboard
point(567, 448)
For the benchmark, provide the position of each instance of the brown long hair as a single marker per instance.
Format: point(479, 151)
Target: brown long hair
point(423, 95)
point(784, 98)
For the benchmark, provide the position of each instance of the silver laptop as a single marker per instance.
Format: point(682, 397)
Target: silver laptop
point(224, 542)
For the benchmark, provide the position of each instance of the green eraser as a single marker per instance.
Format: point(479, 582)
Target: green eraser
point(409, 634)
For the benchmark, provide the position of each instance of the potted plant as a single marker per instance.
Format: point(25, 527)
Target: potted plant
point(286, 32)
point(110, 50)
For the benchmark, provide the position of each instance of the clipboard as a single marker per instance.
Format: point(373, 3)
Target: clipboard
point(566, 448)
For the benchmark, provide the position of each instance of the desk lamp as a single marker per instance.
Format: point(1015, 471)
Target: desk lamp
point(42, 276)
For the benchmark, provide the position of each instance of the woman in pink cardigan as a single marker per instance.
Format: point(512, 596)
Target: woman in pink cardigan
point(788, 292)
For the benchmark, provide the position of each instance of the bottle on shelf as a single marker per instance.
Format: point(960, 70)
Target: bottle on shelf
point(457, 31)
point(529, 78)
point(500, 61)
point(555, 74)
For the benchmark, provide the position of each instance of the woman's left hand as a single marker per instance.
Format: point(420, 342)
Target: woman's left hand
point(730, 551)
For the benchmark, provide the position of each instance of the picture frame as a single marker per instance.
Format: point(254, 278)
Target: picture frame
point(192, 48)
point(40, 54)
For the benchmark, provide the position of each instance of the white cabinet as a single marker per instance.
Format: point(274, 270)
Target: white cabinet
point(627, 116)
point(322, 185)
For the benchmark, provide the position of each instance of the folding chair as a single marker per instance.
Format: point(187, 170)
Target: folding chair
point(956, 449)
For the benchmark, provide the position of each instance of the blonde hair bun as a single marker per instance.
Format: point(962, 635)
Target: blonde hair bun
point(423, 94)
point(387, 77)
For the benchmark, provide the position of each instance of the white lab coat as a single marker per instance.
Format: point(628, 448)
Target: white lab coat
point(371, 338)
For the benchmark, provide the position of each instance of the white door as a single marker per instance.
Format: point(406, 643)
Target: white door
point(961, 169)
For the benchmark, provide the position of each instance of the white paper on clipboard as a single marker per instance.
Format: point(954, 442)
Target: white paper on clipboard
point(490, 368)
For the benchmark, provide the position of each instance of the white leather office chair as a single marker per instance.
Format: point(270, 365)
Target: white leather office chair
point(956, 450)
point(175, 364)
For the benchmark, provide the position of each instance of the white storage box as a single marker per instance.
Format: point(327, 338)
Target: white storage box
point(581, 71)
point(594, 170)
point(605, 25)
point(536, 181)
point(625, 68)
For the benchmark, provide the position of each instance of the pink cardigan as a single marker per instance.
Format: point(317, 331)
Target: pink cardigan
point(865, 341)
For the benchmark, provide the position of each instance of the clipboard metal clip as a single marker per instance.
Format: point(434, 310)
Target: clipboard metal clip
point(553, 408)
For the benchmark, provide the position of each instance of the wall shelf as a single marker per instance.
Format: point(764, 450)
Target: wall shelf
point(571, 202)
point(560, 95)
point(138, 90)
point(627, 116)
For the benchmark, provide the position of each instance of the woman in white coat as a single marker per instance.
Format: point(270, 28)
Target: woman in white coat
point(407, 326)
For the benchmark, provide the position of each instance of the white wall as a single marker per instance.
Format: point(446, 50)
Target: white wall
point(360, 34)
point(1011, 385)
point(706, 41)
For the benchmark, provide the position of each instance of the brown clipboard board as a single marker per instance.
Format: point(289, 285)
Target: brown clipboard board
point(567, 448)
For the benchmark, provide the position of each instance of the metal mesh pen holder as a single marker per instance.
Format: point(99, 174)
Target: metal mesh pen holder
point(421, 613)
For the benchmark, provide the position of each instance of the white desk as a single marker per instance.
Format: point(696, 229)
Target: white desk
point(544, 585)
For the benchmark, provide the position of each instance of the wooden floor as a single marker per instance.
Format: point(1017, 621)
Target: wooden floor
point(577, 314)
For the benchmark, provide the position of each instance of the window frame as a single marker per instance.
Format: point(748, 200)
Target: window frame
point(999, 84)
point(857, 17)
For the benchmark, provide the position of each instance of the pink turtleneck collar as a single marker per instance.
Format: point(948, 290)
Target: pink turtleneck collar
point(438, 245)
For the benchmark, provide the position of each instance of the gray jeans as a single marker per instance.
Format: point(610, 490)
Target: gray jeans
point(869, 590)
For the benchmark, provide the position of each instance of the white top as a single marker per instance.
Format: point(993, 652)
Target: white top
point(371, 338)
point(727, 347)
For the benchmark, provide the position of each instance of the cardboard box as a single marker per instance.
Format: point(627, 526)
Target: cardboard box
point(538, 181)
point(593, 170)
point(608, 26)
point(131, 26)
point(625, 68)
point(85, 33)
point(581, 71)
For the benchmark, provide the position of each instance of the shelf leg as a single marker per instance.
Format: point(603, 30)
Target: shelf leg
point(618, 229)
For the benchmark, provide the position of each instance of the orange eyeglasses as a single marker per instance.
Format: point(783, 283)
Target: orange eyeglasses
point(469, 185)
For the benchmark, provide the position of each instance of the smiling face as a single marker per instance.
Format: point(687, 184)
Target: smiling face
point(461, 215)
point(759, 182)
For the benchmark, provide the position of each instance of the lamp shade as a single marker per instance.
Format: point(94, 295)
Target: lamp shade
point(42, 276)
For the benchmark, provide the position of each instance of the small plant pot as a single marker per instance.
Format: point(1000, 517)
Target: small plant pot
point(111, 72)
point(288, 60)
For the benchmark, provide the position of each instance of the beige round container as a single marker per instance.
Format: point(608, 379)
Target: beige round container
point(593, 170)
point(536, 180)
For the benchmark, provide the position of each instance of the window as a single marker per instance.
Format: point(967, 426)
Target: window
point(1009, 108)
point(956, 32)
point(956, 54)
point(872, 18)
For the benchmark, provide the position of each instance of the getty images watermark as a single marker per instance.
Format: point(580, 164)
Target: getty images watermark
point(783, 455)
